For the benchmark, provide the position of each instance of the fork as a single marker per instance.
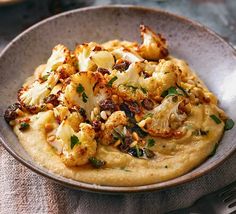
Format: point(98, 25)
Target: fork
point(222, 201)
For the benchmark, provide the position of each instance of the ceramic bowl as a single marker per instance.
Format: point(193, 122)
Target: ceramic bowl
point(210, 56)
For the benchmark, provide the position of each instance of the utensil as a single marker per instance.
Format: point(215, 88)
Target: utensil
point(208, 54)
point(222, 201)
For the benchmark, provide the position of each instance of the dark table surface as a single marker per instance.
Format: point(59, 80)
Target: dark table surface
point(43, 196)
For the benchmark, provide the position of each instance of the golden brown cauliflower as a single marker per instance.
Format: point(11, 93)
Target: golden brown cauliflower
point(154, 45)
point(116, 119)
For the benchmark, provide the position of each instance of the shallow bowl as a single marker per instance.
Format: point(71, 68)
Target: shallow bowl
point(210, 56)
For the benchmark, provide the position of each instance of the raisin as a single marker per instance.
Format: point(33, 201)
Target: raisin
point(136, 152)
point(122, 66)
point(148, 104)
point(133, 106)
point(10, 113)
point(124, 107)
point(53, 99)
point(103, 71)
point(96, 125)
point(83, 113)
point(107, 105)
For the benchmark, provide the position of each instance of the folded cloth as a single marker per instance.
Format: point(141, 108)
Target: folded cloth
point(23, 191)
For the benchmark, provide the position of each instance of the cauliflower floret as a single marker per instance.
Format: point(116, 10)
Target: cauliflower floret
point(77, 147)
point(86, 90)
point(159, 123)
point(90, 57)
point(60, 55)
point(164, 76)
point(32, 97)
point(116, 119)
point(154, 45)
point(128, 84)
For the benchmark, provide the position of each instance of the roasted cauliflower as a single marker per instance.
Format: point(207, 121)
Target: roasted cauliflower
point(86, 90)
point(77, 147)
point(158, 124)
point(154, 45)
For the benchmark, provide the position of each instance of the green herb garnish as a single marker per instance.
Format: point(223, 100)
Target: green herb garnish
point(96, 162)
point(138, 152)
point(229, 124)
point(24, 126)
point(200, 132)
point(149, 153)
point(144, 90)
point(183, 90)
point(80, 88)
point(151, 142)
point(111, 81)
point(214, 150)
point(215, 118)
point(73, 141)
point(85, 97)
point(45, 77)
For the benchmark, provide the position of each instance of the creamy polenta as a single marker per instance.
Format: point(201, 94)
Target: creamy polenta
point(118, 113)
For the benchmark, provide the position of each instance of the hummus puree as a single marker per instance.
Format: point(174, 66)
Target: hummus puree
point(174, 157)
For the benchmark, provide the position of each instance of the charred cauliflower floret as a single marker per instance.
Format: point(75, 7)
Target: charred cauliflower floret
point(76, 147)
point(32, 97)
point(129, 84)
point(60, 55)
point(154, 45)
point(116, 119)
point(59, 65)
point(91, 56)
point(158, 124)
point(164, 76)
point(86, 90)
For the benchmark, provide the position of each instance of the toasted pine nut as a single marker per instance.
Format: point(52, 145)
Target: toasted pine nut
point(117, 143)
point(108, 113)
point(102, 126)
point(96, 110)
point(50, 106)
point(48, 127)
point(115, 98)
point(19, 112)
point(12, 122)
point(92, 115)
point(135, 136)
point(51, 138)
point(142, 123)
point(134, 143)
point(103, 115)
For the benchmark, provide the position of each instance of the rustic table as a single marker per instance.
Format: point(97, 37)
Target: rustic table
point(22, 191)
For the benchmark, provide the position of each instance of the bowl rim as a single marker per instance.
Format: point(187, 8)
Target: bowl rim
point(116, 189)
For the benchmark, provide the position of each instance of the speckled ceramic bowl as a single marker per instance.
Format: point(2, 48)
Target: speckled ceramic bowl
point(208, 54)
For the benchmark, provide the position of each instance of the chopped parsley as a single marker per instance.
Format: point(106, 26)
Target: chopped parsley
point(144, 90)
point(96, 163)
point(172, 91)
point(80, 88)
point(229, 124)
point(24, 126)
point(84, 97)
point(215, 118)
point(45, 77)
point(111, 81)
point(214, 150)
point(150, 142)
point(73, 141)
